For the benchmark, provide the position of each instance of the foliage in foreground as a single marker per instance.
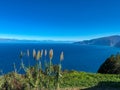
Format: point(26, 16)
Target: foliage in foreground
point(111, 65)
point(40, 76)
point(69, 79)
point(83, 79)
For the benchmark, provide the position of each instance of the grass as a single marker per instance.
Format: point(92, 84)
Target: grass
point(83, 79)
point(69, 79)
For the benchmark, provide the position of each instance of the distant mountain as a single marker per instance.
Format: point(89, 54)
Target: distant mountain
point(118, 44)
point(106, 41)
point(2, 40)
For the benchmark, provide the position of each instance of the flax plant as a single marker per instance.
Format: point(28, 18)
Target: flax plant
point(39, 78)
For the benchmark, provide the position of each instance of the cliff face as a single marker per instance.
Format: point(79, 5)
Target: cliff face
point(106, 41)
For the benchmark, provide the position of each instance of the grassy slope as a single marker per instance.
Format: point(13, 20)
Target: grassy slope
point(81, 79)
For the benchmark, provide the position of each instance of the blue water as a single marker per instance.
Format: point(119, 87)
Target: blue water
point(76, 57)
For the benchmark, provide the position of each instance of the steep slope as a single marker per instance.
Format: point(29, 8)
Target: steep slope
point(106, 41)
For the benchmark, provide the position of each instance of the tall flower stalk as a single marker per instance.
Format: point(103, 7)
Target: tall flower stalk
point(37, 76)
point(34, 53)
point(38, 59)
point(45, 62)
point(21, 58)
point(58, 75)
point(28, 55)
point(61, 57)
point(50, 56)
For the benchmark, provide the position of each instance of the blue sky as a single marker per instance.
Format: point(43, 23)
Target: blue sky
point(59, 19)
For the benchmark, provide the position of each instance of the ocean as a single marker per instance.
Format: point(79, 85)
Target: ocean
point(86, 58)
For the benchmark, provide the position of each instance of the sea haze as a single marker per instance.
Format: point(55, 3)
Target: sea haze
point(86, 58)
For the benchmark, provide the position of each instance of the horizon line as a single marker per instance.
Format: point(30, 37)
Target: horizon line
point(71, 39)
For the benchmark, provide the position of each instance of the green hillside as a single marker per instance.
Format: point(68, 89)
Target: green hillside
point(71, 79)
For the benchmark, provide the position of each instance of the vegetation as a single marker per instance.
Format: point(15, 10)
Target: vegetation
point(50, 77)
point(111, 65)
point(46, 76)
point(69, 79)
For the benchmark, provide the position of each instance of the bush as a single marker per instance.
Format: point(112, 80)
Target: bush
point(111, 65)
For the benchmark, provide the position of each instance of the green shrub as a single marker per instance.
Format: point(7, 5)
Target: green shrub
point(111, 65)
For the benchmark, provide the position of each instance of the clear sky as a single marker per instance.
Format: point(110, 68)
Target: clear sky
point(59, 19)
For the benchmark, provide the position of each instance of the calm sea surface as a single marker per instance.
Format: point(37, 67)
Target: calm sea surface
point(76, 57)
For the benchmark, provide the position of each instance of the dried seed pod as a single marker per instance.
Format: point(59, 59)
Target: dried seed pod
point(51, 54)
point(41, 52)
point(61, 56)
point(38, 55)
point(34, 53)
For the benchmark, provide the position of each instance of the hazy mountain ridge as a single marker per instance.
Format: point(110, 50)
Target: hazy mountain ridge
point(2, 40)
point(105, 41)
point(5, 40)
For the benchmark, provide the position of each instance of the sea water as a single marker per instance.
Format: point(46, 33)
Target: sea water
point(86, 58)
